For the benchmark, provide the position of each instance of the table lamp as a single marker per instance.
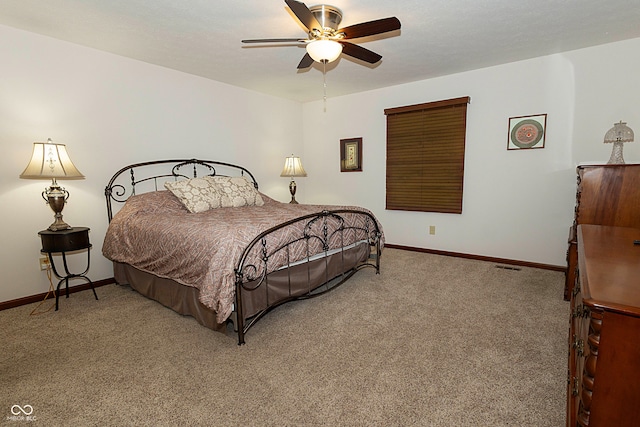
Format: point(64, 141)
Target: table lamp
point(51, 161)
point(618, 135)
point(293, 168)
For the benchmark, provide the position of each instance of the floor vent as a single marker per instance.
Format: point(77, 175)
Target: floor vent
point(508, 267)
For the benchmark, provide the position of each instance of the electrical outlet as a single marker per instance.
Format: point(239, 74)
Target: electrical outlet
point(44, 263)
point(432, 229)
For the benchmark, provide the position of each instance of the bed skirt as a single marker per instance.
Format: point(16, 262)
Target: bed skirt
point(178, 297)
point(296, 281)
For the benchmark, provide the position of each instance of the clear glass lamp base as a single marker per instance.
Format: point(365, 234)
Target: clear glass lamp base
point(616, 154)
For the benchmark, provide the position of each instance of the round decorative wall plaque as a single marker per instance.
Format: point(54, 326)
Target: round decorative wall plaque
point(527, 132)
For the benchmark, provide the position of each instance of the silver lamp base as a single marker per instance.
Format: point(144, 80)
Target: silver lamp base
point(56, 197)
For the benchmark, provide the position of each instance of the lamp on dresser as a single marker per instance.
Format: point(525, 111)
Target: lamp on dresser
point(50, 160)
point(618, 135)
point(293, 168)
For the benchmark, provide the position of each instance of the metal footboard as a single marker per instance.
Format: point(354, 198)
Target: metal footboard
point(327, 237)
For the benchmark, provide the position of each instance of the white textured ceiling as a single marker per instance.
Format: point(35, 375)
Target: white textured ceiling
point(438, 37)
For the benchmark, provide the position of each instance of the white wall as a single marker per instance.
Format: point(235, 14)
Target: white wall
point(517, 204)
point(112, 111)
point(607, 91)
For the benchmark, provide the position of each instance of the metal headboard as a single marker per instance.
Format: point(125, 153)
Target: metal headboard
point(152, 173)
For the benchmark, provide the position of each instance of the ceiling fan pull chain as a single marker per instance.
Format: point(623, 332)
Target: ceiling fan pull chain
point(324, 84)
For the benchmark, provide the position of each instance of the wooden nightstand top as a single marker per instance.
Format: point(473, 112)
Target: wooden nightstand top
point(73, 239)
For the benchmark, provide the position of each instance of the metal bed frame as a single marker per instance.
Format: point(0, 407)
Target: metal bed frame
point(319, 229)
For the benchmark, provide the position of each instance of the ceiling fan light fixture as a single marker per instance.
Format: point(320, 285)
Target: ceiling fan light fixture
point(324, 50)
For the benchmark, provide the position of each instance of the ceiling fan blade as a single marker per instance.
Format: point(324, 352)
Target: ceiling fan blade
point(360, 52)
point(371, 28)
point(273, 40)
point(303, 13)
point(306, 62)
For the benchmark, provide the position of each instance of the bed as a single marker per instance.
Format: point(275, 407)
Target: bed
point(200, 238)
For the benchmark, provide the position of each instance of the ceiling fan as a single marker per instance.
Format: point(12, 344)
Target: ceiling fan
point(326, 41)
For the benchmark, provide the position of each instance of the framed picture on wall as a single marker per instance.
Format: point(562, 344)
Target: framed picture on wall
point(527, 132)
point(351, 155)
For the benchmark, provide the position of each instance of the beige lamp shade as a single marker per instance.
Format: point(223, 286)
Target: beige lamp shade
point(50, 160)
point(293, 167)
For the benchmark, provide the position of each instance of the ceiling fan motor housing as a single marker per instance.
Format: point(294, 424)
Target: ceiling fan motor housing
point(327, 16)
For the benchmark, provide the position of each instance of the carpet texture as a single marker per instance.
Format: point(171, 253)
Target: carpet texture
point(431, 341)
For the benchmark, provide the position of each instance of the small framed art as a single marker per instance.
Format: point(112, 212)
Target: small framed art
point(527, 132)
point(351, 155)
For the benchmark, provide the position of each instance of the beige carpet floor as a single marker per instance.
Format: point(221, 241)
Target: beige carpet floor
point(432, 341)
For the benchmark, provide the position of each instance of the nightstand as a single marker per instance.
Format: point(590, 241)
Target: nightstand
point(64, 241)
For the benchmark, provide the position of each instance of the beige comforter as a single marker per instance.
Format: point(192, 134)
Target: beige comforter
point(155, 233)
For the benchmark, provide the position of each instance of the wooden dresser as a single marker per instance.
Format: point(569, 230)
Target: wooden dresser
point(604, 335)
point(606, 195)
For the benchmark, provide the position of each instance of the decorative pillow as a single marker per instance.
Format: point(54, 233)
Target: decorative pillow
point(196, 194)
point(236, 191)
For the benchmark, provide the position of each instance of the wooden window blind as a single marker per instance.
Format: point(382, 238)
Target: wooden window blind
point(425, 156)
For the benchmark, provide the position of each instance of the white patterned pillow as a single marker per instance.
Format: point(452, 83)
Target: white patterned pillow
point(236, 191)
point(196, 194)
